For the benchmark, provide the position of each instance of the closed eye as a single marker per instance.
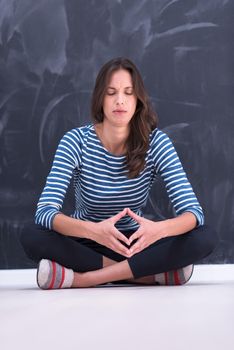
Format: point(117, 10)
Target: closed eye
point(113, 93)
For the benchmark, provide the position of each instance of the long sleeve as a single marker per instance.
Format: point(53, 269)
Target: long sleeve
point(169, 167)
point(66, 159)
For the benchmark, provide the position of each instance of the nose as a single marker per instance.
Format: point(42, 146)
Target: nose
point(120, 99)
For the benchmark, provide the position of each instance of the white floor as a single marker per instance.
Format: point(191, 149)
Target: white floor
point(198, 315)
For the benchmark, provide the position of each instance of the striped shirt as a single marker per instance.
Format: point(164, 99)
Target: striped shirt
point(101, 186)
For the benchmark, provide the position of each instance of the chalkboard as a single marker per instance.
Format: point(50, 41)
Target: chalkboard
point(50, 53)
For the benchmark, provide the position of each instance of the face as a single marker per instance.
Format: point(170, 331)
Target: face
point(120, 101)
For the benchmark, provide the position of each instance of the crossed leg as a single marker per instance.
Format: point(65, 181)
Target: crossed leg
point(111, 271)
point(145, 280)
point(102, 266)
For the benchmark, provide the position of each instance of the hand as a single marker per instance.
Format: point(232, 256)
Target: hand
point(148, 233)
point(106, 233)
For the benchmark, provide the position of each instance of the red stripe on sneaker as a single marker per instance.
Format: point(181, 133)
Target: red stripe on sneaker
point(53, 275)
point(63, 277)
point(176, 278)
point(166, 278)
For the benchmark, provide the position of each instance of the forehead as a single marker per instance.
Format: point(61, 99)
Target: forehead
point(120, 78)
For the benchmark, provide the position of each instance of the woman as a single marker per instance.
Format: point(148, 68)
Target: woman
point(114, 162)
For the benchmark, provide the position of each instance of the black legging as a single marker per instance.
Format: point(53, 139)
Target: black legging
point(81, 254)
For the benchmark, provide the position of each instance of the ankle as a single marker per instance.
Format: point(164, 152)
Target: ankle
point(83, 280)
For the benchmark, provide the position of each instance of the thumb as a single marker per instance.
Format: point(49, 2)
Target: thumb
point(118, 216)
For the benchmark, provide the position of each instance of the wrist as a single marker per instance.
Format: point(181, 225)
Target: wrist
point(178, 225)
point(89, 228)
point(162, 228)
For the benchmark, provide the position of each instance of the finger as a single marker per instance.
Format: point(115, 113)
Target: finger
point(137, 247)
point(121, 237)
point(119, 216)
point(120, 248)
point(136, 217)
point(135, 235)
point(135, 252)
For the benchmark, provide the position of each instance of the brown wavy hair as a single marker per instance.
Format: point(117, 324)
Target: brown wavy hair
point(143, 121)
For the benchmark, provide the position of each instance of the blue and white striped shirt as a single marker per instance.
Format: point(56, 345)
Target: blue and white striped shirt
point(101, 186)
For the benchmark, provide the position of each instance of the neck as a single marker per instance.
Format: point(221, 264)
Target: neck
point(113, 138)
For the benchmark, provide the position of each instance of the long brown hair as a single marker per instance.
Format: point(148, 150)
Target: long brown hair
point(143, 121)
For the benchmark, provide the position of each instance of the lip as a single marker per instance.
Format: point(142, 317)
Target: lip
point(119, 111)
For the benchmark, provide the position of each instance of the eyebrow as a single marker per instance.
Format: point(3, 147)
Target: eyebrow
point(111, 87)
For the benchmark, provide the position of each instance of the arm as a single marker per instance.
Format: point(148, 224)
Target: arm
point(67, 158)
point(179, 189)
point(48, 214)
point(188, 210)
point(72, 227)
point(179, 225)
